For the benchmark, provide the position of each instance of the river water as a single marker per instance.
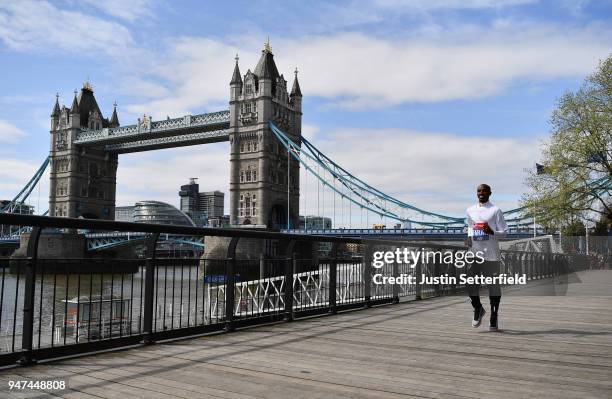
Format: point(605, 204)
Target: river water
point(179, 302)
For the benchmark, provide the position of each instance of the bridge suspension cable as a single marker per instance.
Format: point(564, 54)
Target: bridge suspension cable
point(358, 193)
point(25, 192)
point(368, 198)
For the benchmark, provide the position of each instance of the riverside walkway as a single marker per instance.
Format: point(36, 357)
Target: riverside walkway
point(548, 347)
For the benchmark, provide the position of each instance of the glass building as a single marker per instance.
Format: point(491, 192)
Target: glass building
point(124, 213)
point(312, 222)
point(160, 213)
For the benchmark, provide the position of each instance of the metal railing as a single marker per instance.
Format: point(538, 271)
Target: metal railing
point(54, 306)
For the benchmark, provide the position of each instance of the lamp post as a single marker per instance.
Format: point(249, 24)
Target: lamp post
point(586, 229)
point(534, 222)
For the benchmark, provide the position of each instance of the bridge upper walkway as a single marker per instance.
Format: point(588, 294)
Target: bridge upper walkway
point(150, 135)
point(549, 346)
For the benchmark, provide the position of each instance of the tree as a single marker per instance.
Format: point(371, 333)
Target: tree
point(575, 181)
point(573, 229)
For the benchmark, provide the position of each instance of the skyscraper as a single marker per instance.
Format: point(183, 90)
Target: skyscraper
point(211, 203)
point(200, 206)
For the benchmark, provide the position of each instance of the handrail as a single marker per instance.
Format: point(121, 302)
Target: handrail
point(111, 225)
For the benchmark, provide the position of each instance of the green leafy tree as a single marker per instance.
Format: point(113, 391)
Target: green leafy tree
point(575, 181)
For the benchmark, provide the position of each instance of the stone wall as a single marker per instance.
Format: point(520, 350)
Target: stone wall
point(55, 246)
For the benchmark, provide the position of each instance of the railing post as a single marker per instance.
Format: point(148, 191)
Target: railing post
point(333, 273)
point(528, 261)
point(367, 275)
point(418, 289)
point(436, 272)
point(539, 263)
point(149, 294)
point(230, 285)
point(396, 287)
point(28, 298)
point(289, 271)
point(262, 266)
point(454, 274)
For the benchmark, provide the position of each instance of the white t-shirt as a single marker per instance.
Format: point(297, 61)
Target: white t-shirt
point(493, 216)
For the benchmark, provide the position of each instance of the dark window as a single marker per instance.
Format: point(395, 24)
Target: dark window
point(93, 169)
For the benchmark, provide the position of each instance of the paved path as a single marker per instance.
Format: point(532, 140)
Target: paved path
point(550, 347)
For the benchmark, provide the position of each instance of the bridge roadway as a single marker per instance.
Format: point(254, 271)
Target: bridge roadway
point(549, 347)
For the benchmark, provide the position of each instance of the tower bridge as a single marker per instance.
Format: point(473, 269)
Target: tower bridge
point(85, 148)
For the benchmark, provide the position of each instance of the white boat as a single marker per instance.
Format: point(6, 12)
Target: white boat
point(96, 317)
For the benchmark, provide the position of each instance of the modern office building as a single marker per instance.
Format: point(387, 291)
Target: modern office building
point(211, 203)
point(124, 213)
point(201, 206)
point(315, 222)
point(189, 196)
point(160, 213)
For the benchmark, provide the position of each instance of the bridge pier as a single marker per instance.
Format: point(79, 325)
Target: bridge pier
point(66, 252)
point(256, 257)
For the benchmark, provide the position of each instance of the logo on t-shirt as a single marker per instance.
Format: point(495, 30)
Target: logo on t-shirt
point(479, 232)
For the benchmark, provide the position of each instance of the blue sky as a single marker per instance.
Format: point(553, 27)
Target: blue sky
point(423, 99)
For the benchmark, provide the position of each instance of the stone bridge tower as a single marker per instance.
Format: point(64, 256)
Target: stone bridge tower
point(82, 180)
point(264, 185)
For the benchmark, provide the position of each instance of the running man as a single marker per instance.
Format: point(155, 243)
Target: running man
point(486, 225)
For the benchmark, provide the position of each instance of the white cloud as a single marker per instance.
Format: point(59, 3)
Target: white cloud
point(128, 10)
point(40, 26)
point(10, 133)
point(361, 71)
point(430, 5)
point(309, 131)
point(196, 72)
point(147, 176)
point(357, 71)
point(142, 88)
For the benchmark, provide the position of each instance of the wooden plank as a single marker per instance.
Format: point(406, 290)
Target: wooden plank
point(420, 371)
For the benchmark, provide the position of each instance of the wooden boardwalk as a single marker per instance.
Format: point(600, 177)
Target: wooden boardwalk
point(550, 347)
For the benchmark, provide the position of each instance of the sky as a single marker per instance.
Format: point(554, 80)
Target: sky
point(422, 99)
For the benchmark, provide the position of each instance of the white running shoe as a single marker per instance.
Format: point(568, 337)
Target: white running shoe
point(478, 315)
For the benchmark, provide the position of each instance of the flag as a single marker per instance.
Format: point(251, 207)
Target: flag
point(540, 169)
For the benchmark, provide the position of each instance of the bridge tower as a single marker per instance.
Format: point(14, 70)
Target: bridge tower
point(82, 180)
point(264, 181)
